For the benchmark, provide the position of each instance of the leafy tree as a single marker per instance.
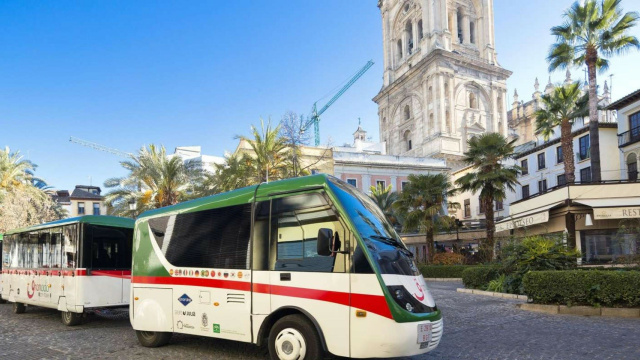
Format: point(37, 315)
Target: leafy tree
point(155, 180)
point(24, 199)
point(592, 32)
point(385, 198)
point(487, 155)
point(15, 171)
point(421, 204)
point(561, 108)
point(269, 157)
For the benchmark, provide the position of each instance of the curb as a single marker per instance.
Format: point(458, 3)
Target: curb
point(443, 279)
point(493, 294)
point(582, 310)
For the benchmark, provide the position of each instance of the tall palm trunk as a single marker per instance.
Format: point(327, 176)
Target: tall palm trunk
point(491, 227)
point(430, 246)
point(594, 139)
point(567, 151)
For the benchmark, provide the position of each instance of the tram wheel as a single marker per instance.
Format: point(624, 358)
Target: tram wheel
point(71, 319)
point(19, 308)
point(294, 337)
point(153, 338)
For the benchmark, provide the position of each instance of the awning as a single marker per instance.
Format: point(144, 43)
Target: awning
point(526, 218)
point(613, 208)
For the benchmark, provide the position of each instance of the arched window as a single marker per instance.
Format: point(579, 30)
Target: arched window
point(472, 32)
point(473, 103)
point(632, 167)
point(399, 49)
point(407, 112)
point(409, 29)
point(430, 95)
point(407, 139)
point(420, 31)
point(459, 18)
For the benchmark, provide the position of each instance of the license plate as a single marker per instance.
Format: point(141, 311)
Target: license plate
point(424, 333)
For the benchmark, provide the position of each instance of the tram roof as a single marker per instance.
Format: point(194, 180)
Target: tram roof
point(87, 219)
point(241, 196)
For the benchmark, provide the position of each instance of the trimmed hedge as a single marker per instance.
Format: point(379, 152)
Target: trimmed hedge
point(443, 271)
point(579, 287)
point(478, 277)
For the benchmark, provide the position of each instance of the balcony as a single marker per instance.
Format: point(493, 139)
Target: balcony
point(629, 137)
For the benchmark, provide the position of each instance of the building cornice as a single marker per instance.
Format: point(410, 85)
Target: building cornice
point(434, 55)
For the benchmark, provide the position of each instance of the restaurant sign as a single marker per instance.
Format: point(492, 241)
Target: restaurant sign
point(537, 218)
point(616, 213)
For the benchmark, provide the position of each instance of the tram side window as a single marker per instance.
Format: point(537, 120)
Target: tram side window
point(43, 248)
point(35, 257)
point(55, 250)
point(295, 221)
point(70, 241)
point(261, 236)
point(6, 251)
point(110, 247)
point(214, 238)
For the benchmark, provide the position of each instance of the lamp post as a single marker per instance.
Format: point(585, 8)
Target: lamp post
point(132, 207)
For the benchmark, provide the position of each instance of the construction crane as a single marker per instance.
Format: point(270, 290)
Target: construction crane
point(314, 118)
point(95, 146)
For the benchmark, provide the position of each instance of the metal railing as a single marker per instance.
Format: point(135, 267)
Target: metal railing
point(629, 137)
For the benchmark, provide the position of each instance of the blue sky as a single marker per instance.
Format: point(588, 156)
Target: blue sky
point(130, 73)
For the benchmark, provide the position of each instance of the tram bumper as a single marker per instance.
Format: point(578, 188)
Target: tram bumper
point(400, 339)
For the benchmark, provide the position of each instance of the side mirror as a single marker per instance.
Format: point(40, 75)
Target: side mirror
point(324, 242)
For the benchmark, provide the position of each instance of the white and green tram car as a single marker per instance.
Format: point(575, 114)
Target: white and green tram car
point(305, 266)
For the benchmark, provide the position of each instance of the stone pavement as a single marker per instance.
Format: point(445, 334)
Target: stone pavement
point(476, 327)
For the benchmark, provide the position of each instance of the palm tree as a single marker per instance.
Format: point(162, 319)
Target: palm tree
point(270, 158)
point(421, 204)
point(593, 31)
point(233, 174)
point(14, 169)
point(490, 176)
point(385, 198)
point(561, 108)
point(155, 180)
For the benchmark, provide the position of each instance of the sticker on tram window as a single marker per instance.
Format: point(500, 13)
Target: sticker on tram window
point(216, 328)
point(185, 299)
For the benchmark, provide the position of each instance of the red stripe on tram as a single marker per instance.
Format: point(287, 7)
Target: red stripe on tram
point(373, 303)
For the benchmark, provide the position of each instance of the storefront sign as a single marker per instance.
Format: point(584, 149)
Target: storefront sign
point(616, 213)
point(538, 218)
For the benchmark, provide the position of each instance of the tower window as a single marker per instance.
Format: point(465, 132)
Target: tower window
point(420, 31)
point(407, 112)
point(407, 139)
point(472, 32)
point(459, 18)
point(409, 29)
point(431, 124)
point(399, 45)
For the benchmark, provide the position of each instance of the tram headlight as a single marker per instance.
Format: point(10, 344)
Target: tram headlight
point(406, 301)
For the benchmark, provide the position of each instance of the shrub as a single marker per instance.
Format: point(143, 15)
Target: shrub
point(578, 287)
point(478, 277)
point(497, 285)
point(442, 271)
point(531, 254)
point(448, 259)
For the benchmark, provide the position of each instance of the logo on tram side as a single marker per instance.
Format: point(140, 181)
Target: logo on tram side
point(31, 290)
point(185, 299)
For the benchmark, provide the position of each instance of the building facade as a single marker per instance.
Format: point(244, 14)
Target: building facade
point(442, 83)
point(84, 200)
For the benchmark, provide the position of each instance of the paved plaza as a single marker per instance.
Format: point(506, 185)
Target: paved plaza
point(476, 327)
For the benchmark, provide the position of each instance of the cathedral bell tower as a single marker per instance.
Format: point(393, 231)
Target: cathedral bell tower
point(442, 83)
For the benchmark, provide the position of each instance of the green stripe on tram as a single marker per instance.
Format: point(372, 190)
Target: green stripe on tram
point(87, 219)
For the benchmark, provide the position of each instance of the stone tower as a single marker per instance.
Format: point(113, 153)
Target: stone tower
point(442, 83)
